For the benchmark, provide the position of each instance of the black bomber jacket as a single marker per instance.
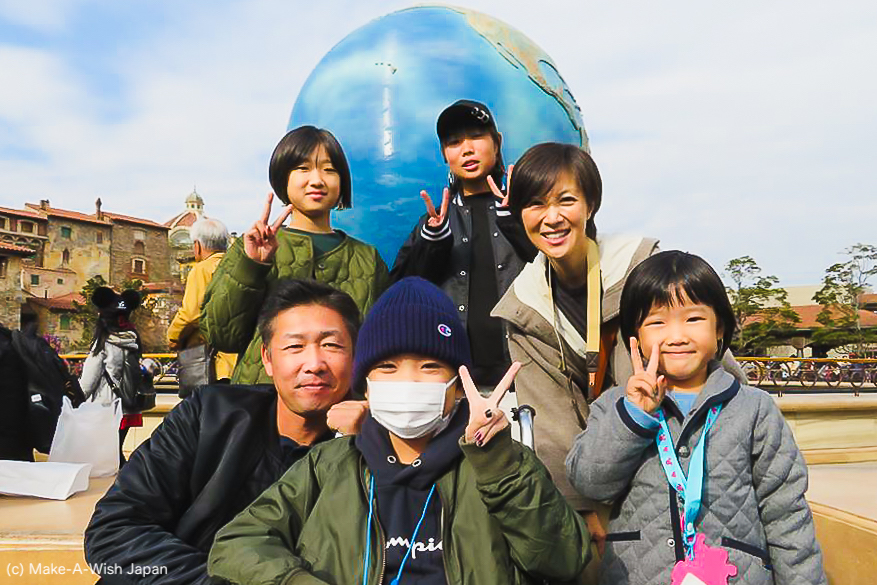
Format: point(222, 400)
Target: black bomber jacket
point(209, 459)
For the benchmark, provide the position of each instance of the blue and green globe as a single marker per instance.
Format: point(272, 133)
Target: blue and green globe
point(381, 89)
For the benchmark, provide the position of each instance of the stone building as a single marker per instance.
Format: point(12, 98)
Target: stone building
point(26, 229)
point(11, 294)
point(139, 250)
point(55, 318)
point(115, 246)
point(78, 243)
point(49, 254)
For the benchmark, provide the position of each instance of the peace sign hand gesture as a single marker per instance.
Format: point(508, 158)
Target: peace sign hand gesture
point(645, 388)
point(260, 241)
point(508, 187)
point(436, 219)
point(485, 417)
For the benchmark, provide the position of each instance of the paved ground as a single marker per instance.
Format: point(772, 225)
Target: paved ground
point(851, 487)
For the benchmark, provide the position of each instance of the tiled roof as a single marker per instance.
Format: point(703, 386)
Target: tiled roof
point(64, 302)
point(73, 215)
point(808, 313)
point(17, 249)
point(168, 286)
point(61, 269)
point(107, 217)
point(184, 219)
point(22, 213)
point(137, 220)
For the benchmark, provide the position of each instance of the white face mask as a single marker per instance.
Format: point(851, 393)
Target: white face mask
point(409, 410)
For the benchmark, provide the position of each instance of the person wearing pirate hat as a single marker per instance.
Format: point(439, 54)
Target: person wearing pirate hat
point(470, 246)
point(115, 339)
point(433, 488)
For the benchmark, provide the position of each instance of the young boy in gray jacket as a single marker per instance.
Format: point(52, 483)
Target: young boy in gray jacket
point(706, 481)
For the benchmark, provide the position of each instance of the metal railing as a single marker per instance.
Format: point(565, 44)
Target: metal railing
point(167, 363)
point(824, 373)
point(772, 374)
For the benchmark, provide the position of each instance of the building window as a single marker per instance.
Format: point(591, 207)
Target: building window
point(65, 257)
point(139, 234)
point(26, 227)
point(100, 237)
point(34, 279)
point(66, 232)
point(140, 248)
point(60, 281)
point(65, 322)
point(139, 266)
point(3, 263)
point(3, 223)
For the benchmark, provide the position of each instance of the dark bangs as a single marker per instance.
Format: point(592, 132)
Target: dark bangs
point(539, 169)
point(297, 147)
point(662, 279)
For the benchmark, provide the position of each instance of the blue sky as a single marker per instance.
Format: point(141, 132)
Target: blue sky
point(725, 130)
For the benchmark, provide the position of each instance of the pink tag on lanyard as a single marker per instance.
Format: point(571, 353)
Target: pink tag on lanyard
point(709, 566)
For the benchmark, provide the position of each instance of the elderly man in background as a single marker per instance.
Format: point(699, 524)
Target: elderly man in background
point(209, 241)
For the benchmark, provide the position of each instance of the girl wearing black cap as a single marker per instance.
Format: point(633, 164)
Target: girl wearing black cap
point(115, 343)
point(432, 490)
point(471, 247)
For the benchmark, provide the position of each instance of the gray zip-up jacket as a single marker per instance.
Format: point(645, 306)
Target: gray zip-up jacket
point(753, 499)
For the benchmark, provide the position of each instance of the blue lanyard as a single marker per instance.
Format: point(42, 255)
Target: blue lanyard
point(690, 489)
point(371, 495)
point(368, 532)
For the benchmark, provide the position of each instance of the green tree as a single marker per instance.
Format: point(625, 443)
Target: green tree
point(85, 313)
point(764, 317)
point(840, 297)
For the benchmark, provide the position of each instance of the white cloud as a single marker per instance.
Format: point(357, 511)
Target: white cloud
point(44, 16)
point(722, 129)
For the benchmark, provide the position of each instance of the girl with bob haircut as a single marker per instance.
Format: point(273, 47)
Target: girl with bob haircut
point(432, 490)
point(470, 247)
point(297, 147)
point(310, 174)
point(682, 425)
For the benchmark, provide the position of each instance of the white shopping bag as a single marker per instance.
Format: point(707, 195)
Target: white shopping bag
point(89, 434)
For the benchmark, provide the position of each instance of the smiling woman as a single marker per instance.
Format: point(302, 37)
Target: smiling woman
point(562, 310)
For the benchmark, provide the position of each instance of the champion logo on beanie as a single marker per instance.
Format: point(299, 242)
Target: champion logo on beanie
point(412, 316)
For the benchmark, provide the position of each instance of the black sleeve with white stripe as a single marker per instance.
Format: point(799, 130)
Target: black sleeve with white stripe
point(434, 234)
point(425, 253)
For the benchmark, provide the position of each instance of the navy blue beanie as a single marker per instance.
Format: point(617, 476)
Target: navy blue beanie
point(412, 316)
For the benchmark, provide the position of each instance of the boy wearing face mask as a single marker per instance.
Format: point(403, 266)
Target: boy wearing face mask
point(432, 490)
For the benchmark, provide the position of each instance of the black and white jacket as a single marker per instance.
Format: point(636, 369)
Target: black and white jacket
point(442, 255)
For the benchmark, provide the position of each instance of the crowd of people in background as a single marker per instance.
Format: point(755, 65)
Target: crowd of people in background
point(363, 433)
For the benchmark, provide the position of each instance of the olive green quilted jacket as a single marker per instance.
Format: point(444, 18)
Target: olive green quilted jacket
point(239, 286)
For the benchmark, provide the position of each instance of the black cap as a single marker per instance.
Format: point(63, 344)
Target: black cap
point(463, 113)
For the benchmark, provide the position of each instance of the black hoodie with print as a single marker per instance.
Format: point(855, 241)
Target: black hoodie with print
point(401, 492)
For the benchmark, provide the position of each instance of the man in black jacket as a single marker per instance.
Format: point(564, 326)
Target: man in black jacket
point(224, 445)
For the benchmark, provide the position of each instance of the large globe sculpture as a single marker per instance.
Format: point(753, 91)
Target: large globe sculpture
point(382, 87)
